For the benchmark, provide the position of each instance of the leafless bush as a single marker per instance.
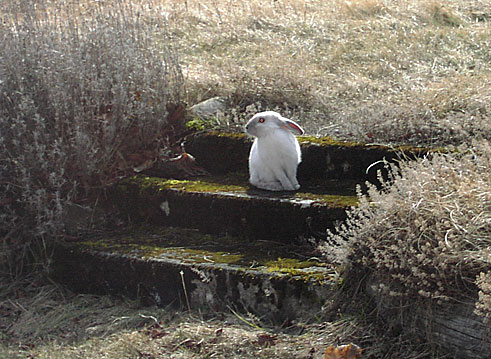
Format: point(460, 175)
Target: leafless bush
point(427, 231)
point(80, 88)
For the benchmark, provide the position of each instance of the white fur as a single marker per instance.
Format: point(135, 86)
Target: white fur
point(275, 153)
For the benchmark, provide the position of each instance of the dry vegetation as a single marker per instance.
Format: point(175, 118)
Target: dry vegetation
point(426, 233)
point(80, 91)
point(79, 78)
point(379, 71)
point(50, 323)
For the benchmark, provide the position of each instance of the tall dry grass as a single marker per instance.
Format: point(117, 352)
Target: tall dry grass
point(81, 87)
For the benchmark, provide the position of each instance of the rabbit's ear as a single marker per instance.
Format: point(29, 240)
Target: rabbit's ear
point(292, 126)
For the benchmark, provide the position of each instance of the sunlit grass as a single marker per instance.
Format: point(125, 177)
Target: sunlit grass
point(408, 72)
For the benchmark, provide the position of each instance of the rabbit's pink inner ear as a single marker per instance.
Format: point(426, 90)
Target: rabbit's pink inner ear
point(294, 126)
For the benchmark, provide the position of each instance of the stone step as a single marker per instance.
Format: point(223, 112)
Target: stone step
point(322, 158)
point(228, 205)
point(273, 280)
point(224, 202)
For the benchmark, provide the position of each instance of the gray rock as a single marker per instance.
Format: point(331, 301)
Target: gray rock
point(209, 108)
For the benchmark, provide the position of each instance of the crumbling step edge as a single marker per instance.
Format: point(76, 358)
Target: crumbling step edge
point(272, 296)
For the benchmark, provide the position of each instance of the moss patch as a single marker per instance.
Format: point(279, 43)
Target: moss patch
point(331, 193)
point(191, 247)
point(206, 186)
point(327, 141)
point(232, 135)
point(308, 269)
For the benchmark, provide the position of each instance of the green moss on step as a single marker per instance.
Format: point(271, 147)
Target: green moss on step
point(193, 248)
point(328, 141)
point(232, 135)
point(308, 270)
point(237, 184)
point(205, 186)
point(203, 256)
point(325, 141)
point(186, 255)
point(289, 263)
point(407, 149)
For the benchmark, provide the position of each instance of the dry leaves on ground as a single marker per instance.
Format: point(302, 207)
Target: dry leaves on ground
point(349, 351)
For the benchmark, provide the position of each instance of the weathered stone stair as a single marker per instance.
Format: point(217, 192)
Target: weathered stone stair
point(215, 241)
point(275, 280)
point(228, 206)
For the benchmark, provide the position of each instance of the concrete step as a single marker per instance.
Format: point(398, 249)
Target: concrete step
point(322, 158)
point(216, 241)
point(274, 280)
point(227, 205)
point(224, 202)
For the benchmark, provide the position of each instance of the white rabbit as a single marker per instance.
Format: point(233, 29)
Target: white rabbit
point(275, 153)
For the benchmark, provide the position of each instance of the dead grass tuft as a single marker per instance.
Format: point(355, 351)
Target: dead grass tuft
point(36, 312)
point(363, 8)
point(442, 15)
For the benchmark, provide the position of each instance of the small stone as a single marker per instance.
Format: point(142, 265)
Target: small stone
point(209, 108)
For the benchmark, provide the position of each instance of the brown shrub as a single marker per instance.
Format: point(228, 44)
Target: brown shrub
point(78, 87)
point(427, 231)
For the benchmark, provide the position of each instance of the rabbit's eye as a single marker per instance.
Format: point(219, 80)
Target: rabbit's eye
point(261, 120)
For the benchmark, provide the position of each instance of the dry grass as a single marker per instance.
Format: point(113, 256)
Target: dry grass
point(48, 322)
point(379, 71)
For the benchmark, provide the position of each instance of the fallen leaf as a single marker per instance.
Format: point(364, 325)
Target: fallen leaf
point(348, 351)
point(266, 339)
